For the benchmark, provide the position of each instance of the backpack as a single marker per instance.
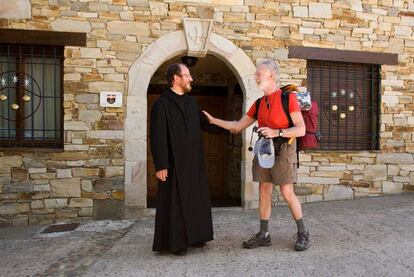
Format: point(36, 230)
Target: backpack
point(310, 117)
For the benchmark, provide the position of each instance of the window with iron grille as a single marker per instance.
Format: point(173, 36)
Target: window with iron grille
point(31, 89)
point(348, 99)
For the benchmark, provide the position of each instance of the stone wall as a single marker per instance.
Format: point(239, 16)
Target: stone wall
point(86, 178)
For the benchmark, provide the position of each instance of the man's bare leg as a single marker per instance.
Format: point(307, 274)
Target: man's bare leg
point(265, 209)
point(288, 193)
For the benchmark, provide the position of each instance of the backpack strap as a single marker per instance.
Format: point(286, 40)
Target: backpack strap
point(285, 104)
point(257, 104)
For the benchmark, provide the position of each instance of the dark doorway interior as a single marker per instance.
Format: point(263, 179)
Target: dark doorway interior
point(222, 152)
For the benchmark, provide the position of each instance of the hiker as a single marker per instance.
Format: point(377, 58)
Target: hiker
point(275, 128)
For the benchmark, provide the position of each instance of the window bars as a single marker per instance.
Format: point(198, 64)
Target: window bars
point(31, 96)
point(348, 97)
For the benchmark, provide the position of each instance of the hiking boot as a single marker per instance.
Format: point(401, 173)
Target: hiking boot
point(257, 240)
point(302, 241)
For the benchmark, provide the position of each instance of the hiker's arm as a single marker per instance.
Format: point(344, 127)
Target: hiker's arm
point(298, 129)
point(232, 126)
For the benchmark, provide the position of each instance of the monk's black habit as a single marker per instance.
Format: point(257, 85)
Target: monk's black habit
point(183, 213)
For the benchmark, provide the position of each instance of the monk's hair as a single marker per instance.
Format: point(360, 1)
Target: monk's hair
point(273, 67)
point(173, 69)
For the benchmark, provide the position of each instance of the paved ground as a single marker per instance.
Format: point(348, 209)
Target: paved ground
point(365, 237)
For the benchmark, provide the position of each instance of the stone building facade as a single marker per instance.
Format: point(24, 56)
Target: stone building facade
point(101, 170)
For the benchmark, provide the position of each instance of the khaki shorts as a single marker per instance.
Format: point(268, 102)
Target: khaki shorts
point(284, 170)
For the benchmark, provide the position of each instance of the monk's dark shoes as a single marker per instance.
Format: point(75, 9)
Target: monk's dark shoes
point(181, 252)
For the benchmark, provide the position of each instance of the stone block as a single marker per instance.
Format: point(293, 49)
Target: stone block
point(6, 162)
point(106, 86)
point(395, 158)
point(300, 11)
point(338, 193)
point(138, 3)
point(69, 156)
point(85, 212)
point(64, 173)
point(35, 170)
point(14, 208)
point(21, 220)
point(64, 213)
point(403, 31)
point(118, 195)
point(66, 187)
point(108, 184)
point(18, 9)
point(320, 10)
point(55, 203)
point(77, 125)
point(87, 172)
point(26, 186)
point(105, 134)
point(67, 25)
point(98, 7)
point(138, 29)
point(87, 98)
point(19, 174)
point(80, 203)
point(41, 219)
point(391, 187)
point(37, 204)
point(318, 180)
point(112, 171)
point(89, 115)
point(314, 198)
point(158, 8)
point(90, 52)
point(45, 187)
point(375, 173)
point(302, 191)
point(108, 209)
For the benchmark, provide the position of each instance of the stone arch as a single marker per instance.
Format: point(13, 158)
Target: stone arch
point(139, 77)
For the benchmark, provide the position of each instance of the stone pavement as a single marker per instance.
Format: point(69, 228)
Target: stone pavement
point(363, 237)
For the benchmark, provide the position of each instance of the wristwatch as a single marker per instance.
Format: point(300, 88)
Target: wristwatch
point(280, 133)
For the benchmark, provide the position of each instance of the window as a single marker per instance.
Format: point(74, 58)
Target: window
point(31, 96)
point(348, 99)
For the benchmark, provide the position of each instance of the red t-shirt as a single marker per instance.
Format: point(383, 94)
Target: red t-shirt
point(272, 114)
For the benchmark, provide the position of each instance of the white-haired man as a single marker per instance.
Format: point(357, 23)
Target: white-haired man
point(273, 124)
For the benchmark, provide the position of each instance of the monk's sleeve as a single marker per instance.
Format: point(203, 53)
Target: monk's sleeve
point(159, 136)
point(210, 128)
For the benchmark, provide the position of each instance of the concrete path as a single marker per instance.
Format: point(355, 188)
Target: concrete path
point(364, 237)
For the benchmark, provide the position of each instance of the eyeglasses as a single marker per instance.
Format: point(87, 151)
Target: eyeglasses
point(186, 75)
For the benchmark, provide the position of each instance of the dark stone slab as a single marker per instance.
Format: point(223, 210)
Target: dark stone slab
point(19, 174)
point(108, 209)
point(108, 184)
point(18, 187)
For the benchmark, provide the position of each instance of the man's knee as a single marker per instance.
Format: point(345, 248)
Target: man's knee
point(266, 188)
point(287, 192)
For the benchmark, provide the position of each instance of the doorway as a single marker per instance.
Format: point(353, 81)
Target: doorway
point(222, 152)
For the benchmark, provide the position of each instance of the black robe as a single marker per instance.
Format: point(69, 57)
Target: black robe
point(183, 212)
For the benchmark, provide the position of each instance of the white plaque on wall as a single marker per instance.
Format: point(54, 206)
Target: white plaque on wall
point(111, 99)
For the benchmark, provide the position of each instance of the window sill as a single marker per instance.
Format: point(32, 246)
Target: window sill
point(22, 149)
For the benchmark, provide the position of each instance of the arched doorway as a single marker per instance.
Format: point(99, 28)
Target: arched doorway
point(139, 76)
point(216, 89)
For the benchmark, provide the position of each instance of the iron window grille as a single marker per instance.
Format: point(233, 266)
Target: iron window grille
point(31, 96)
point(348, 97)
